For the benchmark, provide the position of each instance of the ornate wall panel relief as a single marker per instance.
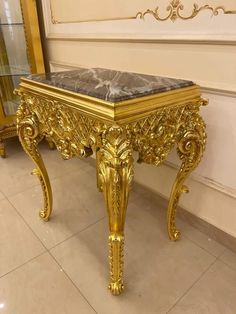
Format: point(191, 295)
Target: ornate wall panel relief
point(149, 20)
point(106, 10)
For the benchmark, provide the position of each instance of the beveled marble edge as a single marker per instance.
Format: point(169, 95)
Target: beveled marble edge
point(123, 111)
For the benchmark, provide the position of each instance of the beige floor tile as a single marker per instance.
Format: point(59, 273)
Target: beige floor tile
point(149, 200)
point(229, 258)
point(15, 173)
point(17, 242)
point(214, 293)
point(157, 271)
point(77, 204)
point(2, 196)
point(200, 239)
point(40, 287)
point(16, 168)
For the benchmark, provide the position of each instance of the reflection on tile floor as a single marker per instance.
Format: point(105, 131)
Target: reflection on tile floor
point(61, 266)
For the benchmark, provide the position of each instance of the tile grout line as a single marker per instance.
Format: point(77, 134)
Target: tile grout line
point(78, 232)
point(35, 234)
point(193, 284)
point(223, 252)
point(28, 225)
point(218, 257)
point(48, 251)
point(68, 277)
point(21, 265)
point(204, 249)
point(38, 184)
point(220, 260)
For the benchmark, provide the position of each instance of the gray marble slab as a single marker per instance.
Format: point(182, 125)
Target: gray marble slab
point(110, 85)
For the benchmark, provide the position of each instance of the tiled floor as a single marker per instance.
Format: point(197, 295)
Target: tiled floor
point(61, 267)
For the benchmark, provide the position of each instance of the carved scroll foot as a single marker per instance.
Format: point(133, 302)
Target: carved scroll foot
point(115, 172)
point(29, 136)
point(190, 148)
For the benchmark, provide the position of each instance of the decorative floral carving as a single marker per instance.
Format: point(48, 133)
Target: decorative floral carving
point(176, 8)
point(72, 133)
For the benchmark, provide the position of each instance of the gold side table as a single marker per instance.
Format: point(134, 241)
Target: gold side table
point(113, 114)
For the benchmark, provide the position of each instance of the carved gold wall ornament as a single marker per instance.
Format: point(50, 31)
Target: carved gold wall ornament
point(175, 10)
point(76, 133)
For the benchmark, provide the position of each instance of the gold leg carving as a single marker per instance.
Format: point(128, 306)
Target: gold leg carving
point(190, 147)
point(29, 136)
point(115, 172)
point(99, 183)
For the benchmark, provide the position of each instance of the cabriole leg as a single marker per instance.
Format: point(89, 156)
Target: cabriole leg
point(190, 148)
point(115, 171)
point(29, 136)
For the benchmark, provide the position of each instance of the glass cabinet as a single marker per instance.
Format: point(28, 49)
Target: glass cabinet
point(20, 55)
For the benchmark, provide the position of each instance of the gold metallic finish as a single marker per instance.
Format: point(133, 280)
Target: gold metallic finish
point(28, 129)
point(120, 112)
point(32, 35)
point(116, 257)
point(7, 129)
point(115, 171)
point(6, 83)
point(191, 142)
point(99, 182)
point(36, 63)
point(174, 9)
point(79, 125)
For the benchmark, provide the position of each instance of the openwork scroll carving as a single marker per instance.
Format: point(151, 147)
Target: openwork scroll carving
point(155, 136)
point(73, 134)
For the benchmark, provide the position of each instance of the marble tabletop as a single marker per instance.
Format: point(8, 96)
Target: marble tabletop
point(110, 85)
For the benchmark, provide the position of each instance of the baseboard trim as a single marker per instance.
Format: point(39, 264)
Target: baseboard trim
point(198, 223)
point(207, 181)
point(208, 229)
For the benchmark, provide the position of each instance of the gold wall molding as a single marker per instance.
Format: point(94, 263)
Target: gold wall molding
point(175, 10)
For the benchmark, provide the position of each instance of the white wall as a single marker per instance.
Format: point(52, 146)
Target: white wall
point(202, 49)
